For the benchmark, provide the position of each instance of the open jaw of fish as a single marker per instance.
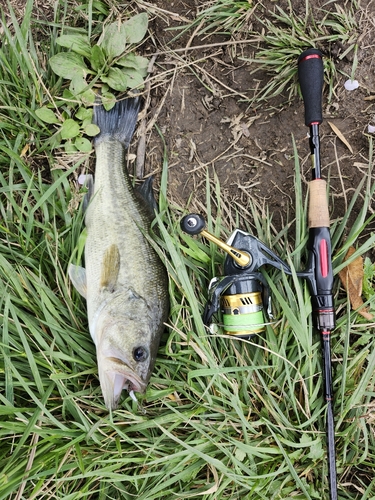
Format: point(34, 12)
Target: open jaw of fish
point(124, 282)
point(115, 376)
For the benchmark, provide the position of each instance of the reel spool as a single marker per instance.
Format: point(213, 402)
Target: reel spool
point(242, 309)
point(241, 296)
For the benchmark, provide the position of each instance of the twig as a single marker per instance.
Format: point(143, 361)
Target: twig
point(232, 91)
point(141, 148)
point(153, 8)
point(33, 443)
point(208, 46)
point(340, 175)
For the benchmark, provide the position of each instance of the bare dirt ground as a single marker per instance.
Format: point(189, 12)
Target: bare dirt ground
point(209, 125)
point(200, 90)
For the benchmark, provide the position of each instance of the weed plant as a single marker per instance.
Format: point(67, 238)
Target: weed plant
point(223, 17)
point(283, 35)
point(221, 418)
point(286, 35)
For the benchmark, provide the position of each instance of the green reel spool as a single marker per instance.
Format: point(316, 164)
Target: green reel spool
point(242, 313)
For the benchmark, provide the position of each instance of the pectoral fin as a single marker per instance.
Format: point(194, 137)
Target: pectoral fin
point(110, 268)
point(77, 275)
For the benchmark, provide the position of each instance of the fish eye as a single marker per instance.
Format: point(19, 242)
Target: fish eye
point(140, 354)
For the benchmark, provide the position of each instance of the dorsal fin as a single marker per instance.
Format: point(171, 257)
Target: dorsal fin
point(145, 191)
point(110, 268)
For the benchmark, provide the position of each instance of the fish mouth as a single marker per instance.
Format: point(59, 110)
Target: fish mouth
point(116, 377)
point(130, 381)
point(124, 381)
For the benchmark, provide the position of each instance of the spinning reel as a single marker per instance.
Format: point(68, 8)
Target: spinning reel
point(242, 294)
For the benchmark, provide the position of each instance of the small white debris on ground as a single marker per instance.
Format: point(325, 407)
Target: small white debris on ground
point(351, 84)
point(81, 179)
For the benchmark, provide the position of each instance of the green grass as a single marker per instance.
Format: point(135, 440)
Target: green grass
point(221, 418)
point(285, 37)
point(281, 35)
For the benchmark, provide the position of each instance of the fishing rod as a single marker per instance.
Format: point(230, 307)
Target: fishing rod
point(310, 74)
point(239, 301)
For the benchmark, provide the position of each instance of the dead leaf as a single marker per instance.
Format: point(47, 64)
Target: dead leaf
point(25, 149)
point(340, 136)
point(352, 279)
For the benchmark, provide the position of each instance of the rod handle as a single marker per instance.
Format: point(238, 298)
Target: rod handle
point(318, 215)
point(310, 75)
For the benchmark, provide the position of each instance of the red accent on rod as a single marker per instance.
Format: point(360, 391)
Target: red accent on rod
point(323, 252)
point(310, 56)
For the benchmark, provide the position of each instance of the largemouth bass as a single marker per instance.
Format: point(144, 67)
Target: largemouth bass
point(124, 281)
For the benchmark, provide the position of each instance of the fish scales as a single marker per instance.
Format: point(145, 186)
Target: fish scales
point(125, 283)
point(116, 215)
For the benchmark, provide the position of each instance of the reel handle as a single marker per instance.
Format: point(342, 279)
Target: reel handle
point(192, 224)
point(195, 224)
point(311, 78)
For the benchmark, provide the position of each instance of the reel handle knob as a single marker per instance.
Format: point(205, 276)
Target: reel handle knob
point(192, 224)
point(195, 224)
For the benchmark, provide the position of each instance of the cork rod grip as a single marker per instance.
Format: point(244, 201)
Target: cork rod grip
point(318, 206)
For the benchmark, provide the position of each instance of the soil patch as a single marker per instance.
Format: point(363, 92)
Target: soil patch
point(209, 126)
point(201, 87)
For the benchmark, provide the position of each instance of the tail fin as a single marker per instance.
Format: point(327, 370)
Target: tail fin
point(119, 122)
